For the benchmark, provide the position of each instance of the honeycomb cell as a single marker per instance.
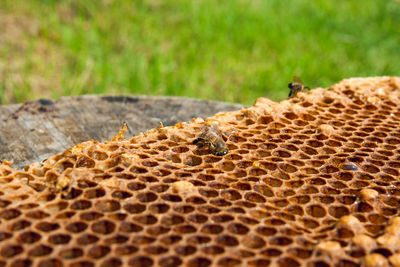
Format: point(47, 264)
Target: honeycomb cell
point(171, 220)
point(65, 214)
point(117, 239)
point(81, 205)
point(159, 188)
point(107, 205)
point(159, 208)
point(40, 250)
point(346, 200)
point(208, 193)
point(98, 155)
point(94, 193)
point(46, 226)
point(213, 250)
point(227, 240)
point(4, 203)
point(310, 223)
point(295, 210)
point(364, 207)
point(72, 193)
point(9, 214)
point(273, 182)
point(143, 240)
point(120, 194)
point(120, 216)
point(301, 199)
point(71, 253)
point(228, 166)
point(271, 252)
point(370, 169)
point(237, 228)
point(58, 239)
point(254, 197)
point(98, 251)
point(211, 229)
point(134, 208)
point(125, 250)
point(281, 241)
point(146, 197)
point(10, 251)
point(103, 227)
point(198, 239)
point(29, 237)
point(195, 200)
point(4, 236)
point(27, 205)
point(170, 261)
point(90, 215)
point(252, 241)
point(136, 186)
point(316, 211)
point(140, 261)
point(171, 198)
point(185, 229)
point(185, 250)
point(76, 227)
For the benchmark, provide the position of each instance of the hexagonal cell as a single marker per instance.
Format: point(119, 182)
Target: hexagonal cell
point(170, 261)
point(103, 227)
point(40, 251)
point(10, 251)
point(76, 227)
point(71, 253)
point(29, 237)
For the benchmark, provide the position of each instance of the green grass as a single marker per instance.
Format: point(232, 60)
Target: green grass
point(236, 50)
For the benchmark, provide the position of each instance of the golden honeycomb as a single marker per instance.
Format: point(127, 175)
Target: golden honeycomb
point(310, 181)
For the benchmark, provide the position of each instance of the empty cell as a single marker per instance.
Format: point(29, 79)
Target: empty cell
point(316, 211)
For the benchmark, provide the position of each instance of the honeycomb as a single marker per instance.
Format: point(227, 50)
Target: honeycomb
point(310, 181)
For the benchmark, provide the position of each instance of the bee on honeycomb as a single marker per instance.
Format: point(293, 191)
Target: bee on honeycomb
point(213, 138)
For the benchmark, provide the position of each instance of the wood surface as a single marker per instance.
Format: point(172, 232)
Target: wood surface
point(35, 130)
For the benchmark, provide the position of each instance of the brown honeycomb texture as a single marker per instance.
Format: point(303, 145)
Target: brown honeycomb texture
point(310, 181)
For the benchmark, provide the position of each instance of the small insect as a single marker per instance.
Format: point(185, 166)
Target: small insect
point(256, 164)
point(212, 137)
point(296, 86)
point(349, 166)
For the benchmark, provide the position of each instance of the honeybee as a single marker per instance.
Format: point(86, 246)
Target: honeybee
point(296, 86)
point(212, 137)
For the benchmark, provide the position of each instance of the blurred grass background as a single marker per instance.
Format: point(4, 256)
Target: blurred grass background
point(236, 50)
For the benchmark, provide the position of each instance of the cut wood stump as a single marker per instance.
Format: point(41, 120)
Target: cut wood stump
point(35, 130)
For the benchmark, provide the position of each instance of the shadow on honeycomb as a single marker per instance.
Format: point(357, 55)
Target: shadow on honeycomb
point(311, 181)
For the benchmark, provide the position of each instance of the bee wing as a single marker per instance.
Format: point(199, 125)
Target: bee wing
point(203, 136)
point(215, 129)
point(297, 79)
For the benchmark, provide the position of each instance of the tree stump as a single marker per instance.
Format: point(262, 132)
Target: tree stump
point(35, 130)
